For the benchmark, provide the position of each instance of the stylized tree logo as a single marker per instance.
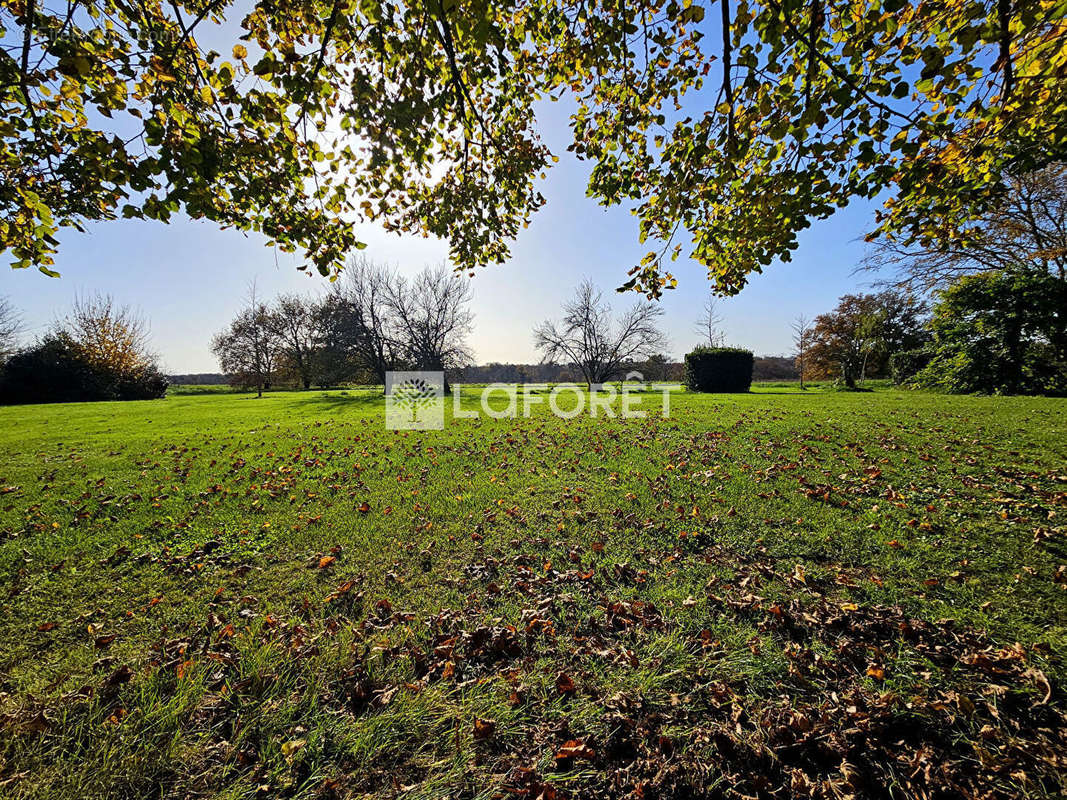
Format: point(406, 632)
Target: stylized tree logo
point(414, 394)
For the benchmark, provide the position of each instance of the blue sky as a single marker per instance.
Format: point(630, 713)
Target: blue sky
point(189, 277)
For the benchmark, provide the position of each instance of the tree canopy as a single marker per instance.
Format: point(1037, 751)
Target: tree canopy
point(857, 338)
point(99, 351)
point(1000, 331)
point(732, 126)
point(1026, 229)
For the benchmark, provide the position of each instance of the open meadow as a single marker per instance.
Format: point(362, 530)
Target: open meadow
point(778, 594)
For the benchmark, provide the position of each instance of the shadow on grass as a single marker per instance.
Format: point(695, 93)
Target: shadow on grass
point(363, 401)
point(766, 393)
point(338, 402)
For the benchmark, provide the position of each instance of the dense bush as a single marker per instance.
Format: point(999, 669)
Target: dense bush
point(1000, 332)
point(905, 365)
point(147, 384)
point(718, 369)
point(58, 370)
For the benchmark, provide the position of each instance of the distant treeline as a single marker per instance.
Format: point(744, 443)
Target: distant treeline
point(198, 379)
point(775, 368)
point(766, 368)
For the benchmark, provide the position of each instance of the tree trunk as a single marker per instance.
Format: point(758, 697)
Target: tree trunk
point(849, 376)
point(1013, 344)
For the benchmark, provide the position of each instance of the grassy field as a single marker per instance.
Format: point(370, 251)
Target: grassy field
point(779, 594)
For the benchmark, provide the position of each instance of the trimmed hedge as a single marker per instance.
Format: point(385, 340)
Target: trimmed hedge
point(718, 369)
point(906, 364)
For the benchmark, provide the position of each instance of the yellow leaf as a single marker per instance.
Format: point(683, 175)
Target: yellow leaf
point(240, 51)
point(293, 746)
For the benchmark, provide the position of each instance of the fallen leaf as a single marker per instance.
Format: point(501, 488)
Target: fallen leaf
point(575, 749)
point(483, 728)
point(564, 684)
point(120, 676)
point(293, 746)
point(1041, 681)
point(39, 723)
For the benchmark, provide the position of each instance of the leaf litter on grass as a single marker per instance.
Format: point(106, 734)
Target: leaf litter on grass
point(750, 654)
point(964, 718)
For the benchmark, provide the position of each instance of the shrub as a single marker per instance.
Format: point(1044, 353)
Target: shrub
point(977, 371)
point(999, 332)
point(906, 364)
point(54, 370)
point(58, 370)
point(718, 369)
point(148, 383)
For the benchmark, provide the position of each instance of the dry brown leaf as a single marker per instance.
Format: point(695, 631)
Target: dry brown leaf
point(483, 728)
point(574, 748)
point(565, 684)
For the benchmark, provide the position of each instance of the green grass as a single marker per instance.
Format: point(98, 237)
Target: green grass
point(783, 593)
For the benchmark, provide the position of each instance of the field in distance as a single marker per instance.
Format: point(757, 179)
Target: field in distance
point(779, 594)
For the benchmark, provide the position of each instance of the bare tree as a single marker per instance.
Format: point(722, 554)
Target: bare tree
point(112, 337)
point(248, 349)
point(10, 328)
point(709, 326)
point(801, 343)
point(359, 324)
point(599, 347)
point(432, 318)
point(1028, 228)
point(295, 324)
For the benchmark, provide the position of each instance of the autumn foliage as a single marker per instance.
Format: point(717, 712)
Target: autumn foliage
point(99, 352)
point(728, 127)
point(856, 339)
